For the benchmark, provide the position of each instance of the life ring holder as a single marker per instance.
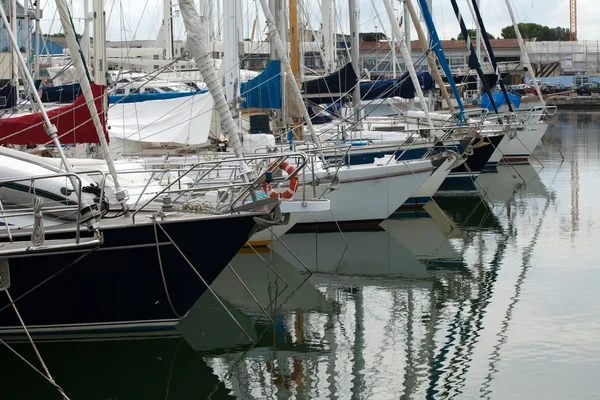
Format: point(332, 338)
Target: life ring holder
point(289, 192)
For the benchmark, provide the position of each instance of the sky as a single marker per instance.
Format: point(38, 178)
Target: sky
point(141, 19)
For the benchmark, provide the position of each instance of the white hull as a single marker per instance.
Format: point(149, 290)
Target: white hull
point(519, 147)
point(371, 192)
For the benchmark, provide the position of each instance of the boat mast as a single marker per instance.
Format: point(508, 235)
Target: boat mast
point(524, 55)
point(276, 8)
point(441, 56)
point(478, 44)
point(14, 48)
point(167, 30)
point(406, 26)
point(296, 131)
point(397, 32)
point(232, 25)
point(490, 52)
point(285, 62)
point(473, 59)
point(100, 79)
point(86, 32)
point(38, 37)
point(27, 35)
point(354, 55)
point(197, 42)
point(423, 39)
point(328, 29)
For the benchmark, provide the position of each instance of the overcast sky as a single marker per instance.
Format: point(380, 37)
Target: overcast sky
point(141, 19)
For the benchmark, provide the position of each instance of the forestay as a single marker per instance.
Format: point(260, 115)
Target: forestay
point(183, 121)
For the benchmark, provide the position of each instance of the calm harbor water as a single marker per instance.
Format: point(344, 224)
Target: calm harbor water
point(463, 300)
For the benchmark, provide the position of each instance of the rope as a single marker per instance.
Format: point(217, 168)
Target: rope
point(38, 234)
point(162, 274)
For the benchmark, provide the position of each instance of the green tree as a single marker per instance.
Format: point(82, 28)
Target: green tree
point(537, 31)
point(472, 34)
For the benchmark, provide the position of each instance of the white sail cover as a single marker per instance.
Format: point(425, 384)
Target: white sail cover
point(179, 121)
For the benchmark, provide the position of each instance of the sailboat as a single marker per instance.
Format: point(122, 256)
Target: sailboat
point(96, 269)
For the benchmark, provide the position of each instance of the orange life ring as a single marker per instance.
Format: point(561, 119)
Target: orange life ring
point(288, 193)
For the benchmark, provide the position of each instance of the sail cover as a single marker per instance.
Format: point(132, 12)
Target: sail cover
point(181, 121)
point(400, 87)
point(499, 100)
point(330, 88)
point(263, 91)
point(73, 121)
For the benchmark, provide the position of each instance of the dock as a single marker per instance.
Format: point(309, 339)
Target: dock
point(577, 102)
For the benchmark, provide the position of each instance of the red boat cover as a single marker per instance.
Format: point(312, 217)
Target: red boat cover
point(73, 121)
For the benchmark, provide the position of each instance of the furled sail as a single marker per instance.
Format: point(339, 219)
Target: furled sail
point(73, 121)
point(179, 121)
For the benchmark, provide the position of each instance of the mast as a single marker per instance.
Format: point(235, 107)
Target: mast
point(86, 32)
point(232, 24)
point(167, 30)
point(100, 76)
point(14, 48)
point(276, 8)
point(197, 42)
point(38, 37)
point(285, 62)
point(328, 29)
point(397, 32)
point(473, 59)
point(524, 55)
point(406, 20)
point(478, 48)
point(441, 56)
point(430, 56)
point(296, 130)
point(27, 35)
point(355, 54)
point(490, 52)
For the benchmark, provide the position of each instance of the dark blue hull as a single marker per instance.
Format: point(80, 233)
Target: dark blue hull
point(119, 286)
point(462, 178)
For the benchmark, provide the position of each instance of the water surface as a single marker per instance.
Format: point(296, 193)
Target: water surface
point(465, 299)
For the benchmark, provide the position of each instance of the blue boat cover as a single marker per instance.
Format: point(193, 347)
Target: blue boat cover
point(141, 97)
point(499, 100)
point(399, 87)
point(263, 91)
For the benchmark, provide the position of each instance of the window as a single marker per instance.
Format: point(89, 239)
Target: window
point(120, 91)
point(151, 90)
point(166, 89)
point(134, 91)
point(124, 80)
